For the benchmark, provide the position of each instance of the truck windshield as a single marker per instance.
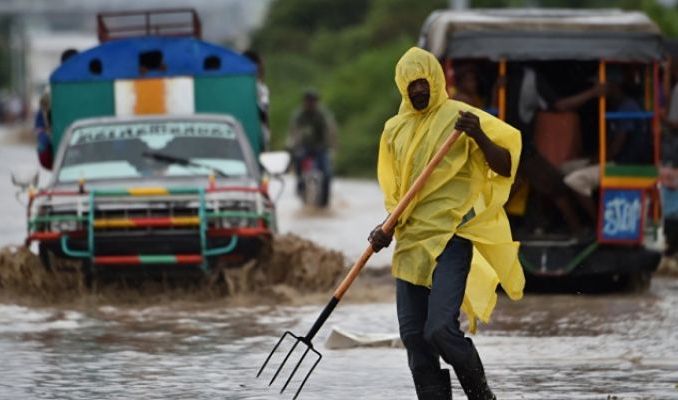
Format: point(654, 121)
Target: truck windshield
point(110, 151)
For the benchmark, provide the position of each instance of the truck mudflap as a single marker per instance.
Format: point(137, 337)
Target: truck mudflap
point(196, 244)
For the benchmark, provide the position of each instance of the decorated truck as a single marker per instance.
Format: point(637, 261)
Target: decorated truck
point(158, 153)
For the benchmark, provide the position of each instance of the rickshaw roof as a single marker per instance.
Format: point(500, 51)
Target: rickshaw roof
point(542, 34)
point(183, 56)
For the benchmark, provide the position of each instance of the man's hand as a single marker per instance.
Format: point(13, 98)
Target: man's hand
point(379, 239)
point(498, 158)
point(469, 123)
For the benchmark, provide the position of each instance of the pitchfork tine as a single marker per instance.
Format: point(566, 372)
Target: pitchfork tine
point(272, 352)
point(386, 227)
point(283, 363)
point(294, 371)
point(320, 356)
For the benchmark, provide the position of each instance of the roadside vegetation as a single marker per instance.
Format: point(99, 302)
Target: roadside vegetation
point(347, 50)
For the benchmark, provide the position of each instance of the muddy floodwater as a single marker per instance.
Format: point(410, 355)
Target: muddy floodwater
point(180, 344)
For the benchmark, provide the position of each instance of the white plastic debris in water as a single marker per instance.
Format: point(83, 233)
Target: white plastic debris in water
point(340, 339)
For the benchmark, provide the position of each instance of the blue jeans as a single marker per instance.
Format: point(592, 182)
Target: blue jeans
point(429, 318)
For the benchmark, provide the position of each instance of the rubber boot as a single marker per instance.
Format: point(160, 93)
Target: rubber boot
point(433, 385)
point(472, 378)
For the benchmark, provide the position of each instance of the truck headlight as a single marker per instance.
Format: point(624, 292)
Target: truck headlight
point(234, 222)
point(62, 226)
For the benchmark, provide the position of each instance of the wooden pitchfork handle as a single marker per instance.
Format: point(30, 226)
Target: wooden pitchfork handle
point(387, 226)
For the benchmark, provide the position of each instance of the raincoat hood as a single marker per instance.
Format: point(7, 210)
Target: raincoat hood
point(420, 64)
point(461, 188)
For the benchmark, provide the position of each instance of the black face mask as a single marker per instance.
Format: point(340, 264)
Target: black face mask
point(420, 100)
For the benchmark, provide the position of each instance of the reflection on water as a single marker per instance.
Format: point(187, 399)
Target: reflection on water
point(544, 347)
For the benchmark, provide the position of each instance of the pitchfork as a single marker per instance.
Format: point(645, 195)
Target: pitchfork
point(387, 226)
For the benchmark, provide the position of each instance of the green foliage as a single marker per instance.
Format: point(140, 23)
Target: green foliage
point(291, 24)
point(363, 96)
point(665, 17)
point(348, 51)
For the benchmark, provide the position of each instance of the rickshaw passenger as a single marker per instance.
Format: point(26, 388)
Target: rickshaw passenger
point(263, 98)
point(466, 79)
point(669, 173)
point(527, 93)
point(629, 142)
point(670, 120)
point(43, 124)
point(42, 128)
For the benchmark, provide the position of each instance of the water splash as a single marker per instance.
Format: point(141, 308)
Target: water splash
point(294, 268)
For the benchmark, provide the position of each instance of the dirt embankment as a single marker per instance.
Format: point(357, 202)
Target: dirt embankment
point(298, 271)
point(668, 266)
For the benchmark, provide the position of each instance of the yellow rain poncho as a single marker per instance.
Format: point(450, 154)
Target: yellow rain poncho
point(461, 183)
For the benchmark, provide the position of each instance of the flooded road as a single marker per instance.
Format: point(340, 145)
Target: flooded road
point(545, 347)
point(175, 346)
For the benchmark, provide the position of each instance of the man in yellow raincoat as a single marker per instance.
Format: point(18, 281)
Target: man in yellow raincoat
point(453, 242)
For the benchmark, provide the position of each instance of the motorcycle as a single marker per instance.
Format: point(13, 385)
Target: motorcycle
point(313, 184)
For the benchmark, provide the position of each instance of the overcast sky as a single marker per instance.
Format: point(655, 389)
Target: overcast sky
point(221, 18)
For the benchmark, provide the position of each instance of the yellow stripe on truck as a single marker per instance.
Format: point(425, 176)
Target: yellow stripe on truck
point(148, 191)
point(173, 96)
point(150, 96)
point(628, 182)
point(185, 221)
point(113, 223)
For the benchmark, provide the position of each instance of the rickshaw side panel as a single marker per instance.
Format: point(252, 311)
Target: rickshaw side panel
point(79, 100)
point(233, 95)
point(230, 95)
point(224, 82)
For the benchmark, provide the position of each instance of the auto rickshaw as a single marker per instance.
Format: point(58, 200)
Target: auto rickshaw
point(572, 50)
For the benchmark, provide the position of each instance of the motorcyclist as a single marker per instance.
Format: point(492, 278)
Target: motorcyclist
point(312, 133)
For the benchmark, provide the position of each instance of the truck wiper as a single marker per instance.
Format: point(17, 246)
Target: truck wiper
point(185, 162)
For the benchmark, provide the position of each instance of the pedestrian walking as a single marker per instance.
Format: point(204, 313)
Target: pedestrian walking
point(453, 242)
